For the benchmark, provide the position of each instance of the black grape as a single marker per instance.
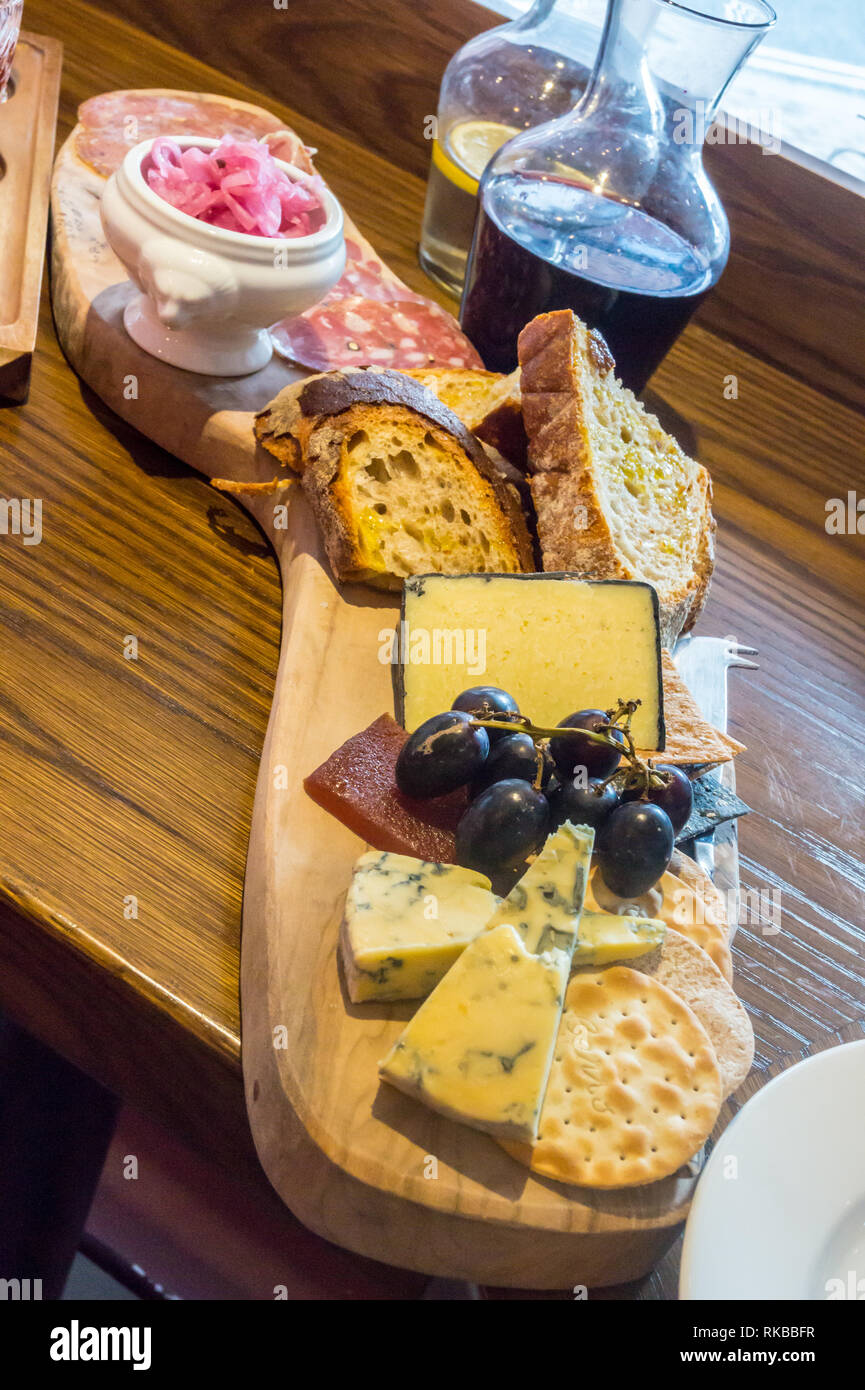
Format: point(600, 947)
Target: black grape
point(489, 702)
point(598, 760)
point(676, 796)
point(583, 805)
point(635, 846)
point(502, 826)
point(514, 755)
point(442, 754)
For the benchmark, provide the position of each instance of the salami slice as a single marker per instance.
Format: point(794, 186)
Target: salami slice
point(367, 276)
point(358, 331)
point(115, 121)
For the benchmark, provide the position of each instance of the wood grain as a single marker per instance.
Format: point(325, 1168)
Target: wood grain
point(120, 777)
point(794, 287)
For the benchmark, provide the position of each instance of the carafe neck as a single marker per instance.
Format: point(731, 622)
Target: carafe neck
point(662, 61)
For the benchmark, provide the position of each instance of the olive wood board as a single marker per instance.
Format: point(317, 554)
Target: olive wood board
point(27, 121)
point(356, 1161)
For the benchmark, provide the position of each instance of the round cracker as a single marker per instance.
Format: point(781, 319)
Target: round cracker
point(689, 871)
point(686, 969)
point(685, 899)
point(634, 1089)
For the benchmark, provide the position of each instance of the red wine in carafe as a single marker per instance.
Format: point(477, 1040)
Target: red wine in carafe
point(543, 242)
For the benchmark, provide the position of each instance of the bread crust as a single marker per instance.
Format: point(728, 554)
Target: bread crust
point(324, 482)
point(496, 417)
point(298, 407)
point(558, 356)
point(503, 429)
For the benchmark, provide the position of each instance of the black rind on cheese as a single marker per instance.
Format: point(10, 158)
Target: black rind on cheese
point(397, 670)
point(416, 585)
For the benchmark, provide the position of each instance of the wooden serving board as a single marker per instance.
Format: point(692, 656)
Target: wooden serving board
point(357, 1162)
point(27, 121)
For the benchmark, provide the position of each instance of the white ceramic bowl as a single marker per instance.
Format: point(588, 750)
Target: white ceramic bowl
point(208, 295)
point(779, 1210)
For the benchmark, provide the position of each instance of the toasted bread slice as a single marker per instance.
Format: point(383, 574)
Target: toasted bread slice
point(615, 495)
point(487, 402)
point(398, 485)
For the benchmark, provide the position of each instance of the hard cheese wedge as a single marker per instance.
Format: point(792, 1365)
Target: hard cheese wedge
point(479, 1049)
point(557, 643)
point(406, 921)
point(605, 937)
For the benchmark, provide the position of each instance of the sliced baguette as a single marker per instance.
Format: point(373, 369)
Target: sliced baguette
point(615, 496)
point(398, 484)
point(487, 402)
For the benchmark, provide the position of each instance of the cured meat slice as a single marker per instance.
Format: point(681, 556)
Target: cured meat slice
point(367, 276)
point(284, 144)
point(112, 123)
point(371, 319)
point(358, 331)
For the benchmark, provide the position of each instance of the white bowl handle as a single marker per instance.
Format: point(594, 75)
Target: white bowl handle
point(185, 284)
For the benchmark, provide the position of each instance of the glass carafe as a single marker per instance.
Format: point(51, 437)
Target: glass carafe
point(608, 210)
point(506, 80)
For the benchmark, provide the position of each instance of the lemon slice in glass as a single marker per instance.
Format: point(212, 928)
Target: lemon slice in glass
point(470, 147)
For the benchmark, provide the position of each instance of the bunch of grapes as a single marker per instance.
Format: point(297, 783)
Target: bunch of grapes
point(525, 780)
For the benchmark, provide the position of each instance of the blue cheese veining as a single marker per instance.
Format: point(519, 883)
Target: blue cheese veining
point(406, 921)
point(479, 1049)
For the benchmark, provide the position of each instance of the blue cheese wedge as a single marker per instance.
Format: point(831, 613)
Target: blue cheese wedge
point(480, 1048)
point(545, 905)
point(406, 921)
point(606, 937)
point(556, 642)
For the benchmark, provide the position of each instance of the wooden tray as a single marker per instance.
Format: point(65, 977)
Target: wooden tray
point(27, 122)
point(358, 1163)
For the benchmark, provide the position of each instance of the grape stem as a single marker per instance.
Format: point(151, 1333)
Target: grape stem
point(639, 771)
point(537, 731)
point(541, 755)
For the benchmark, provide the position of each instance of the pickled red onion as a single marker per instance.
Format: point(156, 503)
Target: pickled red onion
point(237, 185)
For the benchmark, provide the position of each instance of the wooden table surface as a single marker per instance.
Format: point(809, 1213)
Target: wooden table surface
point(126, 785)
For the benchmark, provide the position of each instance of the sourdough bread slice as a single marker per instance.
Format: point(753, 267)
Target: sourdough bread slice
point(615, 496)
point(398, 484)
point(487, 402)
